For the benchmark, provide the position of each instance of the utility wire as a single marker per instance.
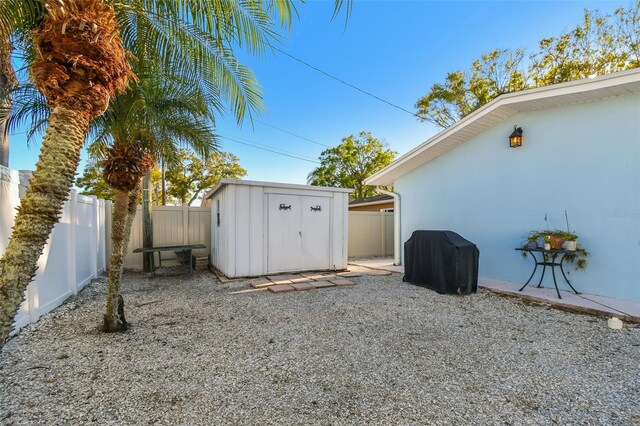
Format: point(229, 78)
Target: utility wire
point(269, 150)
point(268, 146)
point(292, 134)
point(343, 82)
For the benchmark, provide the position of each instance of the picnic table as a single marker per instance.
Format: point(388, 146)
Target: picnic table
point(187, 248)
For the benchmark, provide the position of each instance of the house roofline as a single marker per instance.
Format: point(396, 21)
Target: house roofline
point(503, 107)
point(372, 203)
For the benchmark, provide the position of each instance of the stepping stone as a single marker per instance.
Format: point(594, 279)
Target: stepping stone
point(301, 280)
point(281, 288)
point(302, 286)
point(341, 283)
point(378, 272)
point(327, 277)
point(321, 277)
point(322, 284)
point(260, 283)
point(349, 274)
point(283, 277)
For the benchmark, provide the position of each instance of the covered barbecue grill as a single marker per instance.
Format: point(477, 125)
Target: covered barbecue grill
point(442, 261)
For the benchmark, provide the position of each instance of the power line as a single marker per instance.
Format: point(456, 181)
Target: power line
point(309, 157)
point(269, 150)
point(344, 82)
point(292, 134)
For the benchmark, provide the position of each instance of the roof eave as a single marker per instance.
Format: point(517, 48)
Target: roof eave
point(508, 104)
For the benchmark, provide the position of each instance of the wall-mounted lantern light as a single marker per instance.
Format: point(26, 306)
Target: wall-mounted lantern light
point(515, 139)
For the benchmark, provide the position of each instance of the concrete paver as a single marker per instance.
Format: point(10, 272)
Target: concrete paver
point(302, 286)
point(281, 288)
point(322, 284)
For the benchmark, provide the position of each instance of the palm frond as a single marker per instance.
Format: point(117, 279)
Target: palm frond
point(28, 109)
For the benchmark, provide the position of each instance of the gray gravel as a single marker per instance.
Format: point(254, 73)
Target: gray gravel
point(379, 352)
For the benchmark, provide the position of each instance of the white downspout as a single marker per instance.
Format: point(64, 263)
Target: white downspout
point(397, 237)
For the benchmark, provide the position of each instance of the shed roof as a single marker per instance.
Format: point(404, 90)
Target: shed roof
point(376, 199)
point(504, 106)
point(225, 182)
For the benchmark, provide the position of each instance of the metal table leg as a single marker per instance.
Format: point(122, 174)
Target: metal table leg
point(553, 272)
point(544, 268)
point(565, 277)
point(535, 268)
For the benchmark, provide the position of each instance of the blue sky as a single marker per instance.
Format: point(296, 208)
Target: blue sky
point(393, 49)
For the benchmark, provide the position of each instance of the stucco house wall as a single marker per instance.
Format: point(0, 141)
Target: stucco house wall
point(584, 158)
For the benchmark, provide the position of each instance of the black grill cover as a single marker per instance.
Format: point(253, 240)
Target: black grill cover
point(442, 261)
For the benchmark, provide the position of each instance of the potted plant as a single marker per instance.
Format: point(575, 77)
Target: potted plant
point(532, 242)
point(570, 241)
point(579, 254)
point(557, 240)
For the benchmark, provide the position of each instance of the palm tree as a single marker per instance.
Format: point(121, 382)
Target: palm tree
point(79, 65)
point(152, 120)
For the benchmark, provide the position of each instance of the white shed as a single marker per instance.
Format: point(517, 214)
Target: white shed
point(260, 228)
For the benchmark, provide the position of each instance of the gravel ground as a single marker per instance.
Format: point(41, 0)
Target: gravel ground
point(379, 352)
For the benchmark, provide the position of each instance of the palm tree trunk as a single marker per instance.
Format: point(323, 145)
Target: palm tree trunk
point(40, 208)
point(113, 319)
point(132, 207)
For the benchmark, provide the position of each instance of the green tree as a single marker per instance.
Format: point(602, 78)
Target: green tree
point(191, 175)
point(92, 183)
point(599, 45)
point(350, 163)
point(494, 73)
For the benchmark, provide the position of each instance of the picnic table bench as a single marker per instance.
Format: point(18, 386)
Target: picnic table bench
point(187, 248)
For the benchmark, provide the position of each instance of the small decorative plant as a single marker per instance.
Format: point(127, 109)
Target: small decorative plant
point(556, 238)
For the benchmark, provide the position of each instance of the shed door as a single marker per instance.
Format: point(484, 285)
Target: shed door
point(316, 233)
point(284, 233)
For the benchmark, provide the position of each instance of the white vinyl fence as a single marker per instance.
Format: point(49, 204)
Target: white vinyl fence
point(172, 225)
point(370, 234)
point(74, 254)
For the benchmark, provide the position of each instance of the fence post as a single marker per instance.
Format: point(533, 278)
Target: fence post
point(101, 237)
point(107, 234)
point(9, 200)
point(95, 236)
point(71, 246)
point(185, 223)
point(384, 236)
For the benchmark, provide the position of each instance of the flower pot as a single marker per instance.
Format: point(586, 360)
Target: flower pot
point(532, 245)
point(556, 242)
point(571, 245)
point(547, 246)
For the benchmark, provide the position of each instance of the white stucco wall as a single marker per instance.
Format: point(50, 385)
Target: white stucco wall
point(583, 158)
